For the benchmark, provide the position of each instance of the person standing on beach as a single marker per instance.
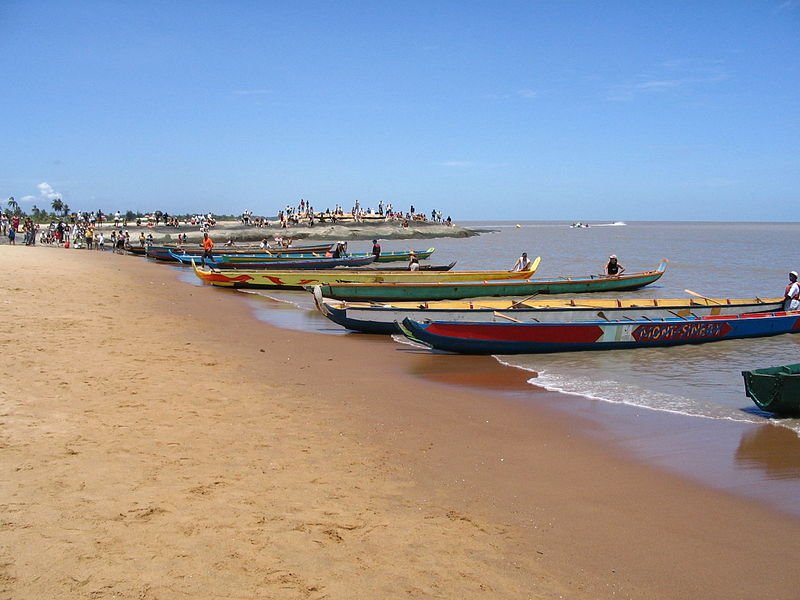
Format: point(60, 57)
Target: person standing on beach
point(613, 267)
point(523, 263)
point(208, 246)
point(376, 249)
point(791, 295)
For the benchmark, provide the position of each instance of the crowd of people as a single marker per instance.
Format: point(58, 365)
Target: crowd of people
point(305, 214)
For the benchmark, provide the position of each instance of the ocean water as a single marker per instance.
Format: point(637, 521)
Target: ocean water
point(711, 259)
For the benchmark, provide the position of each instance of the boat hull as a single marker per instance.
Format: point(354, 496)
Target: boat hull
point(537, 338)
point(446, 290)
point(311, 263)
point(383, 318)
point(297, 280)
point(775, 389)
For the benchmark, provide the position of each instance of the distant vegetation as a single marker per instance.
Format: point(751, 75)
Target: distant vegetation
point(62, 211)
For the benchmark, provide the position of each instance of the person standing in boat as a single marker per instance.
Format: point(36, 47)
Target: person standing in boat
point(523, 263)
point(614, 267)
point(791, 296)
point(376, 249)
point(208, 246)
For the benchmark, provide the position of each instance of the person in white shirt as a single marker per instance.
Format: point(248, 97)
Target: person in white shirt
point(791, 296)
point(523, 263)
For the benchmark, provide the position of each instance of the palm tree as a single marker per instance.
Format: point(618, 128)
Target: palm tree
point(58, 205)
point(66, 209)
point(13, 205)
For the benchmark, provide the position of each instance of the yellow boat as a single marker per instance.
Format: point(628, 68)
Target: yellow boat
point(298, 280)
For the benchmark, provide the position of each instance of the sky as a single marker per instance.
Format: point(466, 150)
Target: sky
point(507, 110)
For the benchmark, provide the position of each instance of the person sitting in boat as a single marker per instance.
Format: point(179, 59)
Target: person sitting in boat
point(339, 250)
point(791, 296)
point(523, 263)
point(413, 263)
point(614, 267)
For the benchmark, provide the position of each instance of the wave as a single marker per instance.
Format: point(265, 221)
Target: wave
point(614, 392)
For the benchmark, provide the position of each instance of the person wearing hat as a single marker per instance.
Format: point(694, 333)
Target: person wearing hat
point(523, 263)
point(376, 249)
point(413, 263)
point(791, 296)
point(613, 267)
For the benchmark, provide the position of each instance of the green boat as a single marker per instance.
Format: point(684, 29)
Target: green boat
point(775, 389)
point(387, 292)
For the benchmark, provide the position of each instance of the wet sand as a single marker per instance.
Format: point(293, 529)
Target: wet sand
point(159, 442)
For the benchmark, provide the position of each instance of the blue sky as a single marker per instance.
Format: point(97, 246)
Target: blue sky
point(505, 110)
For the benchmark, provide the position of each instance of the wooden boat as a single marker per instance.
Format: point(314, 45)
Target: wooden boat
point(400, 255)
point(312, 262)
point(536, 338)
point(371, 317)
point(448, 290)
point(385, 257)
point(775, 389)
point(163, 252)
point(287, 280)
point(385, 267)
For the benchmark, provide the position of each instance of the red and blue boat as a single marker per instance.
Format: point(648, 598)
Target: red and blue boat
point(538, 338)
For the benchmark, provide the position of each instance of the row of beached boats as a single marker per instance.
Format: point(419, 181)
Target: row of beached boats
point(502, 312)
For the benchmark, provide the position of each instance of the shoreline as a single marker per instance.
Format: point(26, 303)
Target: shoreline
point(731, 462)
point(293, 462)
point(242, 234)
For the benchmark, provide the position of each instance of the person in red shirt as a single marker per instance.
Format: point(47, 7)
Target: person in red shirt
point(208, 245)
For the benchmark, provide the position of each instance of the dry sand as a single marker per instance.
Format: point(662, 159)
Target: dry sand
point(159, 442)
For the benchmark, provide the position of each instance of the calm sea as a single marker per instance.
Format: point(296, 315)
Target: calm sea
point(712, 259)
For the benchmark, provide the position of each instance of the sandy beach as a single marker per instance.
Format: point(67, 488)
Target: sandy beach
point(159, 442)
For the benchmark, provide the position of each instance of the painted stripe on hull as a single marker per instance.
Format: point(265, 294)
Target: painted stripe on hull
point(531, 338)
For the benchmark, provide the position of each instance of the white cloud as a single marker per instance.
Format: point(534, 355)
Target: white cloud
point(670, 76)
point(46, 191)
point(529, 94)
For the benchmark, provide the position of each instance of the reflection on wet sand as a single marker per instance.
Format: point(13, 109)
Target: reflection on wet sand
point(473, 371)
point(773, 450)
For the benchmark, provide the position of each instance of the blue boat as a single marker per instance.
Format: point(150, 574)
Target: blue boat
point(314, 263)
point(536, 338)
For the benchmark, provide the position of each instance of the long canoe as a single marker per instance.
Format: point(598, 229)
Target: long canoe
point(163, 252)
point(370, 317)
point(385, 257)
point(385, 267)
point(318, 262)
point(287, 280)
point(446, 290)
point(775, 389)
point(536, 338)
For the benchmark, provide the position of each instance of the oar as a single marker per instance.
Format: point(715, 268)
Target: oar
point(524, 300)
point(691, 293)
point(499, 314)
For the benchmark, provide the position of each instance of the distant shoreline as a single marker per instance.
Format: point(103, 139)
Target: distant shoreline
point(238, 232)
